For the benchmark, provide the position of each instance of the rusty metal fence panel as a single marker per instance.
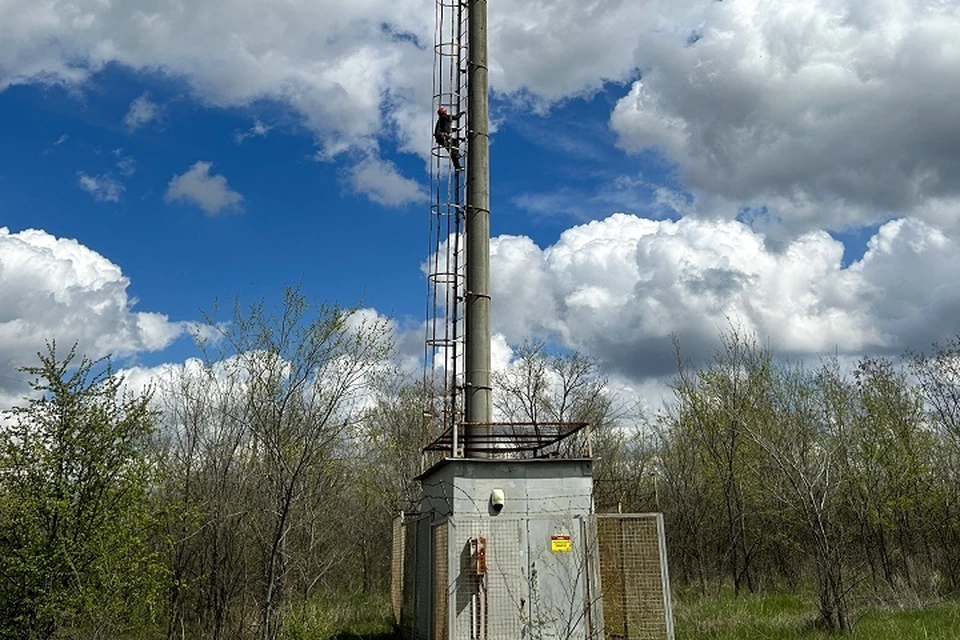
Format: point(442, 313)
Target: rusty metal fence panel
point(415, 597)
point(634, 578)
point(441, 573)
point(396, 568)
point(408, 600)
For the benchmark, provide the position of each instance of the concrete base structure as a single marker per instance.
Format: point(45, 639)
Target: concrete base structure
point(503, 549)
point(512, 549)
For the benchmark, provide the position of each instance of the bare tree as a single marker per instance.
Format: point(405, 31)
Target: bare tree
point(523, 393)
point(386, 450)
point(257, 439)
point(209, 478)
point(805, 445)
point(569, 388)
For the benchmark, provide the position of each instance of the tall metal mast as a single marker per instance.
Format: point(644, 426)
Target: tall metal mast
point(477, 357)
point(457, 346)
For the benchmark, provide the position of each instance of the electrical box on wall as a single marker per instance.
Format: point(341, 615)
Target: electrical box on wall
point(478, 549)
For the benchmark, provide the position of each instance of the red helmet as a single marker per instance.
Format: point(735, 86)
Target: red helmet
point(441, 110)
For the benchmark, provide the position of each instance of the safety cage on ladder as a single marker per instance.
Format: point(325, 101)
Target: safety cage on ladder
point(443, 345)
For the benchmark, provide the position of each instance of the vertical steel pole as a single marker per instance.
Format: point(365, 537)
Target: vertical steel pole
point(477, 356)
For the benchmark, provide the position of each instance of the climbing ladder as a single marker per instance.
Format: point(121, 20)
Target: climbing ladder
point(444, 345)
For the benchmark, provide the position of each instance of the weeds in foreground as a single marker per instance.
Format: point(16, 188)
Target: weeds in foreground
point(791, 617)
point(341, 616)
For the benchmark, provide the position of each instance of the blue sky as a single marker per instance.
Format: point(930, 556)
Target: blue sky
point(299, 220)
point(793, 169)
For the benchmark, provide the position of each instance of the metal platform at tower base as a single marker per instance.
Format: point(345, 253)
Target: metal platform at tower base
point(515, 439)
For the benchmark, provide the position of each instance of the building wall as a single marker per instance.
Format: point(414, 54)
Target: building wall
point(531, 487)
point(554, 569)
point(537, 547)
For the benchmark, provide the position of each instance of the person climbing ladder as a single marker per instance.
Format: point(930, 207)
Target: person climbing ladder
point(443, 134)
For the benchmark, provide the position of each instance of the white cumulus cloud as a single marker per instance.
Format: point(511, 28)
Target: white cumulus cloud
point(833, 113)
point(622, 287)
point(337, 64)
point(230, 373)
point(355, 71)
point(795, 103)
point(57, 289)
point(197, 186)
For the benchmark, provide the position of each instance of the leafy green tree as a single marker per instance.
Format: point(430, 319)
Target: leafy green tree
point(684, 494)
point(893, 454)
point(78, 531)
point(938, 378)
point(717, 407)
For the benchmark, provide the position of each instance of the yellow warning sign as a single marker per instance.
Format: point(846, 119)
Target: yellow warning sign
point(560, 543)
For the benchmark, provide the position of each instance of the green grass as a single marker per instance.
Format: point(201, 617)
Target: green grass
point(341, 616)
point(790, 617)
point(937, 622)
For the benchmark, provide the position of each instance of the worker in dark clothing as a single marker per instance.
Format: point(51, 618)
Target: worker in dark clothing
point(443, 134)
